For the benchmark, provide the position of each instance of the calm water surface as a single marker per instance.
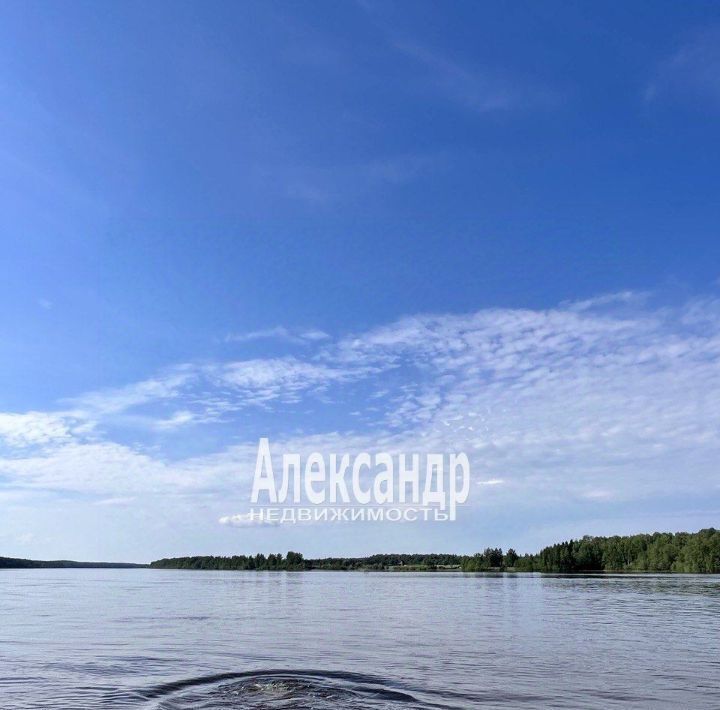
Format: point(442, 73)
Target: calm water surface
point(74, 639)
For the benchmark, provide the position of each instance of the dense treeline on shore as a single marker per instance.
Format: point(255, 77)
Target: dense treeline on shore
point(19, 563)
point(697, 553)
point(295, 561)
point(658, 552)
point(292, 562)
point(384, 562)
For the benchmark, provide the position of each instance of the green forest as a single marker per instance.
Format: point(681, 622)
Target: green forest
point(292, 562)
point(696, 553)
point(657, 552)
point(20, 563)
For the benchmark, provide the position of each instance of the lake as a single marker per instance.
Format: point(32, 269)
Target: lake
point(76, 639)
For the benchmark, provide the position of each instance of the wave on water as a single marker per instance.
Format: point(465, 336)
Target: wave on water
point(289, 690)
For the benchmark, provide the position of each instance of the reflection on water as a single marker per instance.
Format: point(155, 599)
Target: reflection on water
point(75, 639)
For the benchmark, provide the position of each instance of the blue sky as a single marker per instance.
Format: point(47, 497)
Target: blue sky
point(481, 225)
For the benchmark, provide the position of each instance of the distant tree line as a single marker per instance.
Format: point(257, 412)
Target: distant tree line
point(293, 561)
point(19, 563)
point(659, 552)
point(384, 562)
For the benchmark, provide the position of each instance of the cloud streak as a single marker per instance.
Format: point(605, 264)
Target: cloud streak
point(278, 333)
point(595, 403)
point(245, 520)
point(692, 72)
point(479, 90)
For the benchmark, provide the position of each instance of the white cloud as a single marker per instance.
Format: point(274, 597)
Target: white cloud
point(116, 471)
point(605, 401)
point(481, 89)
point(278, 333)
point(33, 428)
point(119, 399)
point(178, 419)
point(245, 520)
point(261, 380)
point(692, 72)
point(314, 335)
point(636, 298)
point(115, 501)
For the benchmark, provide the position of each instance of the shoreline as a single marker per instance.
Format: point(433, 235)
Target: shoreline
point(660, 553)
